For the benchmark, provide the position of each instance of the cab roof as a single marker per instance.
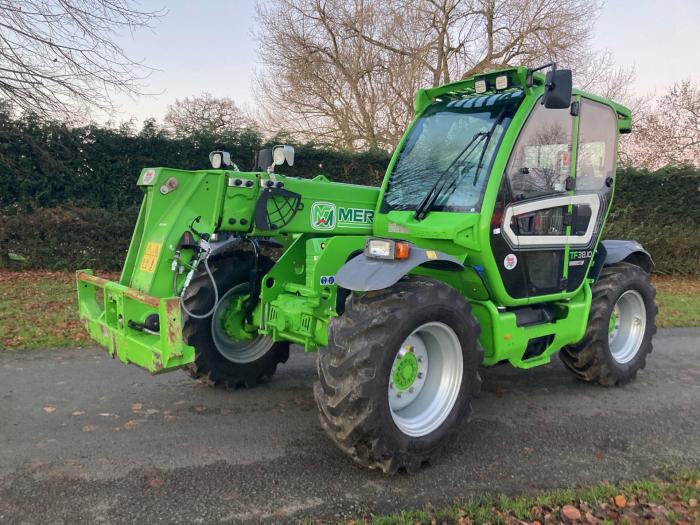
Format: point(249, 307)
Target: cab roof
point(531, 83)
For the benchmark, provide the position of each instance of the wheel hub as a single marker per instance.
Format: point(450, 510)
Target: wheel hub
point(405, 369)
point(233, 319)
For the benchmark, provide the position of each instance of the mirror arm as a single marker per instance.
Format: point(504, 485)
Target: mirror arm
point(532, 70)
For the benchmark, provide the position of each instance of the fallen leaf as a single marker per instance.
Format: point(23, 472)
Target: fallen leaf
point(136, 406)
point(89, 428)
point(693, 502)
point(49, 409)
point(571, 513)
point(152, 479)
point(155, 483)
point(151, 411)
point(599, 455)
point(170, 418)
point(199, 408)
point(105, 414)
point(131, 424)
point(620, 501)
point(77, 413)
point(181, 402)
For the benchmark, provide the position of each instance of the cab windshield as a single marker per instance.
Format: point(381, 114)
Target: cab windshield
point(438, 150)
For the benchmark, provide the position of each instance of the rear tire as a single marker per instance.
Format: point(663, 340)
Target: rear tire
point(620, 328)
point(358, 381)
point(218, 362)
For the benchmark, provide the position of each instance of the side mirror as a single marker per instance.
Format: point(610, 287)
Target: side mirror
point(280, 154)
point(557, 89)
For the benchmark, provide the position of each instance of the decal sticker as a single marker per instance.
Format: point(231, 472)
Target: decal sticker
point(148, 177)
point(397, 228)
point(326, 216)
point(510, 262)
point(579, 258)
point(327, 279)
point(150, 257)
point(431, 254)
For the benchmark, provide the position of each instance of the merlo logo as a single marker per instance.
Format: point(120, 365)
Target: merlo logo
point(323, 216)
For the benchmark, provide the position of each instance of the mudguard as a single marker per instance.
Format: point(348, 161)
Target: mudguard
point(365, 274)
point(615, 251)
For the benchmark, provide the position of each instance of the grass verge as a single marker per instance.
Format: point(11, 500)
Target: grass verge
point(39, 309)
point(672, 501)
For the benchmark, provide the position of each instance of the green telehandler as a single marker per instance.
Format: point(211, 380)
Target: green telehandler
point(482, 246)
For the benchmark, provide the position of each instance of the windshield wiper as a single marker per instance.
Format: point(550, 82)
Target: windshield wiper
point(425, 206)
point(458, 179)
point(436, 189)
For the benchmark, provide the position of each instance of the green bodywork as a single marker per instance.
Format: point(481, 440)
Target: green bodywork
point(298, 297)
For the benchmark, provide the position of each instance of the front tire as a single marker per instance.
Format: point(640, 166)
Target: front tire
point(221, 361)
point(399, 373)
point(620, 328)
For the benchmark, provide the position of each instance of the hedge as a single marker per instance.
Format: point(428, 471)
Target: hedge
point(68, 197)
point(661, 210)
point(48, 164)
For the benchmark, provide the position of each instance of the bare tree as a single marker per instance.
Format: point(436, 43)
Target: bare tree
point(61, 56)
point(344, 72)
point(204, 114)
point(667, 131)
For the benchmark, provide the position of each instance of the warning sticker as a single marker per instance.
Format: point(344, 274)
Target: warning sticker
point(431, 254)
point(148, 177)
point(150, 257)
point(510, 262)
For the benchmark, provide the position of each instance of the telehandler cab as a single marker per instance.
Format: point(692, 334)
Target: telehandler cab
point(482, 246)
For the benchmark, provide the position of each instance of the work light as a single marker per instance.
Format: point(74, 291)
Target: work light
point(219, 159)
point(502, 82)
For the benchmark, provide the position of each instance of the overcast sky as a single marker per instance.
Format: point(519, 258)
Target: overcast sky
point(207, 46)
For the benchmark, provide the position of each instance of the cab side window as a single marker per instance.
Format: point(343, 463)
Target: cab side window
point(596, 146)
point(539, 165)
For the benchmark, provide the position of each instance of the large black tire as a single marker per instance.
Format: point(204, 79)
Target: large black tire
point(591, 359)
point(355, 369)
point(210, 365)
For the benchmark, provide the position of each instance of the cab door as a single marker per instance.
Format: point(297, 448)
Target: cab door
point(554, 198)
point(596, 156)
point(530, 227)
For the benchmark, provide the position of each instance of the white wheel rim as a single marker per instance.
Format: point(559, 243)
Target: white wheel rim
point(423, 407)
point(630, 319)
point(240, 352)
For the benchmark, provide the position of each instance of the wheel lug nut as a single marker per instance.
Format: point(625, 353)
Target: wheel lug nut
point(398, 395)
point(420, 375)
point(391, 385)
point(411, 390)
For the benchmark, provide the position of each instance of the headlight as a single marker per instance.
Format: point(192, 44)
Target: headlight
point(387, 249)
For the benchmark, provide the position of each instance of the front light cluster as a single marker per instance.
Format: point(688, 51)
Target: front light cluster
point(387, 249)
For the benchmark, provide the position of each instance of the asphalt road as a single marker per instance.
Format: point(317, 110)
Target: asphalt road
point(84, 439)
